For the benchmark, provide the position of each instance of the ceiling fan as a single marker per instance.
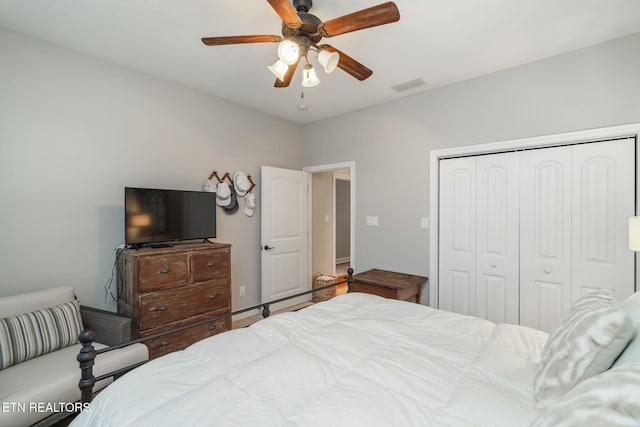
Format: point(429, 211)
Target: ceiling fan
point(302, 31)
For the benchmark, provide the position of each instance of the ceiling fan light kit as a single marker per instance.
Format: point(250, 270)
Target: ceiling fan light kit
point(301, 32)
point(329, 60)
point(288, 51)
point(309, 76)
point(279, 69)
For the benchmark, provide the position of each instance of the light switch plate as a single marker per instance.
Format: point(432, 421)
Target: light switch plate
point(372, 221)
point(425, 222)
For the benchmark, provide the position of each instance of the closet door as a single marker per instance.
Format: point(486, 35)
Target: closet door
point(497, 240)
point(603, 181)
point(545, 236)
point(457, 235)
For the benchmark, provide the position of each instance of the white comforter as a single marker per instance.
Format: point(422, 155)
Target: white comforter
point(355, 360)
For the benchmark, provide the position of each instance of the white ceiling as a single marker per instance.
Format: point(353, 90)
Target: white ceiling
point(439, 41)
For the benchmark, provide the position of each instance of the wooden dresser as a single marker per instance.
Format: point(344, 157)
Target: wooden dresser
point(165, 288)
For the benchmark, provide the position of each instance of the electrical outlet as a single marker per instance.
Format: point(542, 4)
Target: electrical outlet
point(243, 291)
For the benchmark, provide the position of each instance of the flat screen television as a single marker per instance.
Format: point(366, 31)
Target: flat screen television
point(154, 216)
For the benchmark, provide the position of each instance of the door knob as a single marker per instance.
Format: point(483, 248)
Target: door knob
point(493, 264)
point(268, 248)
point(547, 270)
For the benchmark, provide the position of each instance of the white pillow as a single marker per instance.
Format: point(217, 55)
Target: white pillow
point(631, 353)
point(608, 399)
point(589, 338)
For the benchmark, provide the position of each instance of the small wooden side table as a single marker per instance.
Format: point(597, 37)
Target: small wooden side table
point(389, 284)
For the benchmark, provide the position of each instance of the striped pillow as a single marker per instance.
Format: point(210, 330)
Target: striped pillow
point(30, 335)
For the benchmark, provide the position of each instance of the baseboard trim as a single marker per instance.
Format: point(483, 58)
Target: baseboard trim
point(343, 260)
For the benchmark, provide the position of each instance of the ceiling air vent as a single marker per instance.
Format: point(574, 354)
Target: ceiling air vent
point(408, 85)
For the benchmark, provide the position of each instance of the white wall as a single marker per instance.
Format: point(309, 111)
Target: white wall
point(593, 87)
point(75, 130)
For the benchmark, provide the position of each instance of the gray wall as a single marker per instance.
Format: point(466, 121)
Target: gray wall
point(390, 143)
point(75, 130)
point(322, 261)
point(343, 219)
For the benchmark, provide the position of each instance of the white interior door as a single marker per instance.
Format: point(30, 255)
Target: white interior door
point(457, 262)
point(603, 181)
point(545, 236)
point(284, 234)
point(497, 239)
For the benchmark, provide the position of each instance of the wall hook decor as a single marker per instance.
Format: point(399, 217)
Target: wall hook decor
point(228, 177)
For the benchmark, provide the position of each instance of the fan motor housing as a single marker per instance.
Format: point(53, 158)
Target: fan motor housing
point(302, 5)
point(309, 28)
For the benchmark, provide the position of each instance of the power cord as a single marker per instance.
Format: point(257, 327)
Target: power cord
point(109, 294)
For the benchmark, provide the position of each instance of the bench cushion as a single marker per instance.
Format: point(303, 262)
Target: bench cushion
point(31, 382)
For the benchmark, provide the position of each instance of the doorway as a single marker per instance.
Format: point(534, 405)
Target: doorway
point(332, 218)
point(342, 215)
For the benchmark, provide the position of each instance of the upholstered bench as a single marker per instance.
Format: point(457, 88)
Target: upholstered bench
point(39, 372)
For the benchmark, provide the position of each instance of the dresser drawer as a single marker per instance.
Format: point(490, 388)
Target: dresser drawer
point(177, 340)
point(160, 307)
point(209, 266)
point(162, 272)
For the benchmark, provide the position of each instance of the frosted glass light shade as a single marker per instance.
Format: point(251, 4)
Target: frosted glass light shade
point(288, 52)
point(329, 60)
point(279, 69)
point(634, 233)
point(309, 76)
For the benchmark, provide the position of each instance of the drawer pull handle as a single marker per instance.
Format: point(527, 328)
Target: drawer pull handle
point(212, 327)
point(164, 270)
point(214, 296)
point(211, 263)
point(157, 309)
point(161, 344)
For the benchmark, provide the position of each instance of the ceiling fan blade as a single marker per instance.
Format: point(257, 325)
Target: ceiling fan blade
point(286, 12)
point(218, 41)
point(381, 14)
point(288, 76)
point(349, 65)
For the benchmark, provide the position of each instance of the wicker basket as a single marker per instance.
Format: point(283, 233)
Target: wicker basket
point(320, 280)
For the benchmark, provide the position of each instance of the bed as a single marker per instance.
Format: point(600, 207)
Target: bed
point(362, 360)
